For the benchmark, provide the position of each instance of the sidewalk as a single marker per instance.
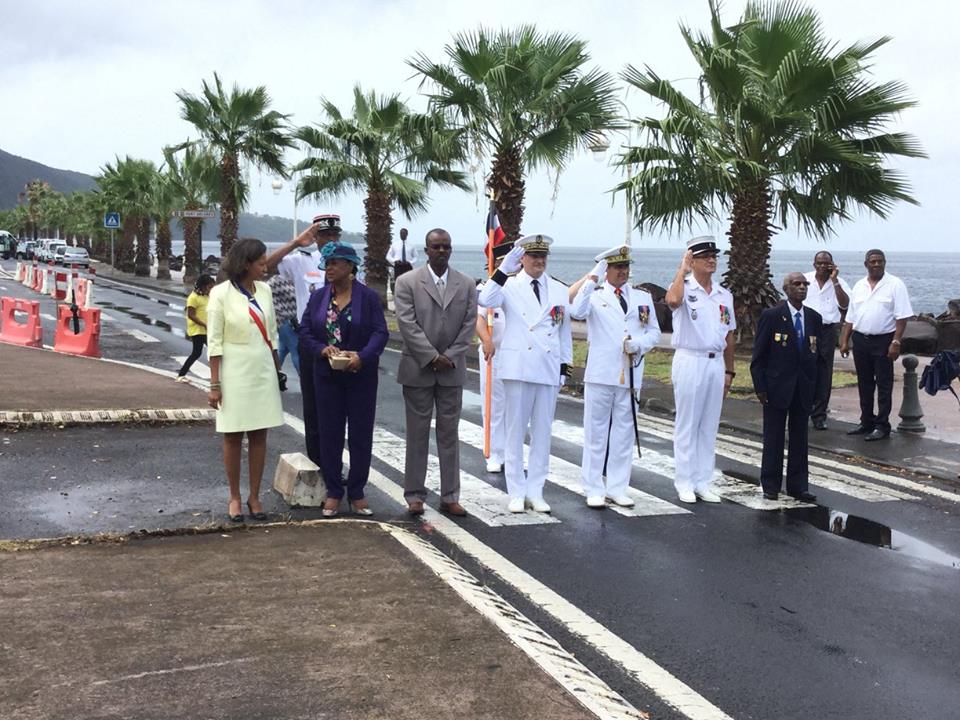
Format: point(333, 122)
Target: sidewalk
point(333, 620)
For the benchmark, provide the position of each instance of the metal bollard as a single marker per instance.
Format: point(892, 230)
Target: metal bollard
point(910, 410)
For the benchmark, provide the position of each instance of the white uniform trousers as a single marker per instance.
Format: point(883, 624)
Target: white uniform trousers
point(496, 410)
point(528, 404)
point(601, 403)
point(698, 395)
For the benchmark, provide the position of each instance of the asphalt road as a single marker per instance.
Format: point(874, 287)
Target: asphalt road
point(765, 613)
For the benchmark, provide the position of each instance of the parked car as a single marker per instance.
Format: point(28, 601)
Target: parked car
point(70, 256)
point(46, 251)
point(26, 250)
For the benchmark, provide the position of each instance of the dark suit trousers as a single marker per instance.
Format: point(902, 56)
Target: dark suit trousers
point(310, 433)
point(874, 373)
point(347, 401)
point(420, 403)
point(775, 422)
point(826, 349)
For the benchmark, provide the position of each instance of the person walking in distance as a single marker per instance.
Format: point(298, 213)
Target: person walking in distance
point(621, 328)
point(784, 368)
point(436, 308)
point(829, 295)
point(534, 361)
point(876, 319)
point(196, 322)
point(300, 262)
point(288, 324)
point(702, 372)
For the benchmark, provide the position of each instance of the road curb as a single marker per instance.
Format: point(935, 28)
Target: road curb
point(28, 418)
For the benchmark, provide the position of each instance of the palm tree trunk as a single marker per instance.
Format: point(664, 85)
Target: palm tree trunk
point(748, 271)
point(124, 254)
point(163, 249)
point(506, 182)
point(142, 262)
point(379, 221)
point(230, 172)
point(191, 249)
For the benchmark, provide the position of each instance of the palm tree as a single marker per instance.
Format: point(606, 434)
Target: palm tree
point(193, 177)
point(385, 150)
point(35, 193)
point(788, 126)
point(237, 127)
point(128, 186)
point(525, 100)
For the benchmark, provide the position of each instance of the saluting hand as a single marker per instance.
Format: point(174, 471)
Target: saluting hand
point(511, 263)
point(599, 271)
point(308, 237)
point(686, 264)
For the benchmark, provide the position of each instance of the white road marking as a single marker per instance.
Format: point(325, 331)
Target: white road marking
point(171, 671)
point(749, 451)
point(479, 498)
point(568, 476)
point(563, 667)
point(173, 314)
point(107, 318)
point(141, 336)
point(48, 316)
point(3, 287)
point(198, 368)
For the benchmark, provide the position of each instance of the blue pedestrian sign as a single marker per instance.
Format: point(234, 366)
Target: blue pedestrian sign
point(111, 220)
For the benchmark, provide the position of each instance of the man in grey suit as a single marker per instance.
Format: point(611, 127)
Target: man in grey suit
point(436, 309)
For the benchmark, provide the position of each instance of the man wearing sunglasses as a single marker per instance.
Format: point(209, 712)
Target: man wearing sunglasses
point(784, 371)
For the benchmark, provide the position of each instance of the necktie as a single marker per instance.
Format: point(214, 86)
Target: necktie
point(798, 326)
point(403, 249)
point(623, 303)
point(440, 286)
point(536, 289)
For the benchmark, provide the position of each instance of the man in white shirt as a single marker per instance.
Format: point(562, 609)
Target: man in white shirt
point(829, 295)
point(534, 359)
point(876, 319)
point(702, 372)
point(299, 262)
point(401, 257)
point(621, 328)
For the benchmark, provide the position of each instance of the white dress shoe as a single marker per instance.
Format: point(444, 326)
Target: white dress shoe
point(622, 500)
point(708, 495)
point(494, 466)
point(596, 501)
point(516, 505)
point(537, 505)
point(687, 496)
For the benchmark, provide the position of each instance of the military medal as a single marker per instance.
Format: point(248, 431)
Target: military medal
point(644, 314)
point(724, 315)
point(693, 314)
point(813, 343)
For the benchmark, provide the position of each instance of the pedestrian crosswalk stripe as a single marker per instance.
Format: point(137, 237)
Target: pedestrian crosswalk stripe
point(483, 501)
point(199, 369)
point(141, 336)
point(738, 491)
point(749, 452)
point(48, 316)
point(568, 476)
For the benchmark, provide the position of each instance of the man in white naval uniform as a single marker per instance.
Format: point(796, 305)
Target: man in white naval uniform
point(491, 338)
point(299, 262)
point(621, 328)
point(703, 325)
point(534, 357)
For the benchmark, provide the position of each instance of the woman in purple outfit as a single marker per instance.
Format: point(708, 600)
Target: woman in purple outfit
point(344, 315)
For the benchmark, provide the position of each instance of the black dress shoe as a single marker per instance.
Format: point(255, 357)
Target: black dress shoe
point(770, 495)
point(877, 435)
point(804, 497)
point(860, 430)
point(819, 424)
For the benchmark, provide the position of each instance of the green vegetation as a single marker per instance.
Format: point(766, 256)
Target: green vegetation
point(788, 127)
point(389, 153)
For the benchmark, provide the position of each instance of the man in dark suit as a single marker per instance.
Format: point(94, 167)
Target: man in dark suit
point(436, 309)
point(784, 371)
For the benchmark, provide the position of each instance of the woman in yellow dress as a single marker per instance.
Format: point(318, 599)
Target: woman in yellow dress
point(241, 335)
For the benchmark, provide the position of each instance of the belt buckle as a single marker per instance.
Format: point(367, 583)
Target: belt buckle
point(711, 356)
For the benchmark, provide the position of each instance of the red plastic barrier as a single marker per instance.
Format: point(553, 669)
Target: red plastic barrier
point(87, 341)
point(38, 273)
point(56, 291)
point(29, 333)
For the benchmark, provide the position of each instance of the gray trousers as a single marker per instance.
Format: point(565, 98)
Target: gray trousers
point(826, 349)
point(420, 403)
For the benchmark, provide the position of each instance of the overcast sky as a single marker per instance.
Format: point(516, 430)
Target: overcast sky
point(83, 82)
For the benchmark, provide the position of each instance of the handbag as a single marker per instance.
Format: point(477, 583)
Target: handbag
point(281, 376)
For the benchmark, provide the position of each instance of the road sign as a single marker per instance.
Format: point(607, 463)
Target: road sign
point(111, 220)
point(195, 213)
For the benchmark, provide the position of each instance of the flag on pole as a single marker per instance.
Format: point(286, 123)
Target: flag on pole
point(495, 234)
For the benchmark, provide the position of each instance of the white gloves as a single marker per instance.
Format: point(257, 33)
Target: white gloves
point(599, 271)
point(631, 346)
point(511, 263)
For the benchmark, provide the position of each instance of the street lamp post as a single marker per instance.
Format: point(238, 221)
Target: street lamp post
point(277, 186)
point(599, 148)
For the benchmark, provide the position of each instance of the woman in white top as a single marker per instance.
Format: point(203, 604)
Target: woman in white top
point(242, 334)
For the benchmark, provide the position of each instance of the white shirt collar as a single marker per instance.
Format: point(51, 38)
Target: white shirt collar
point(437, 279)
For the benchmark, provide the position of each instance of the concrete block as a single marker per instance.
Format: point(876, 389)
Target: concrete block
point(298, 481)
